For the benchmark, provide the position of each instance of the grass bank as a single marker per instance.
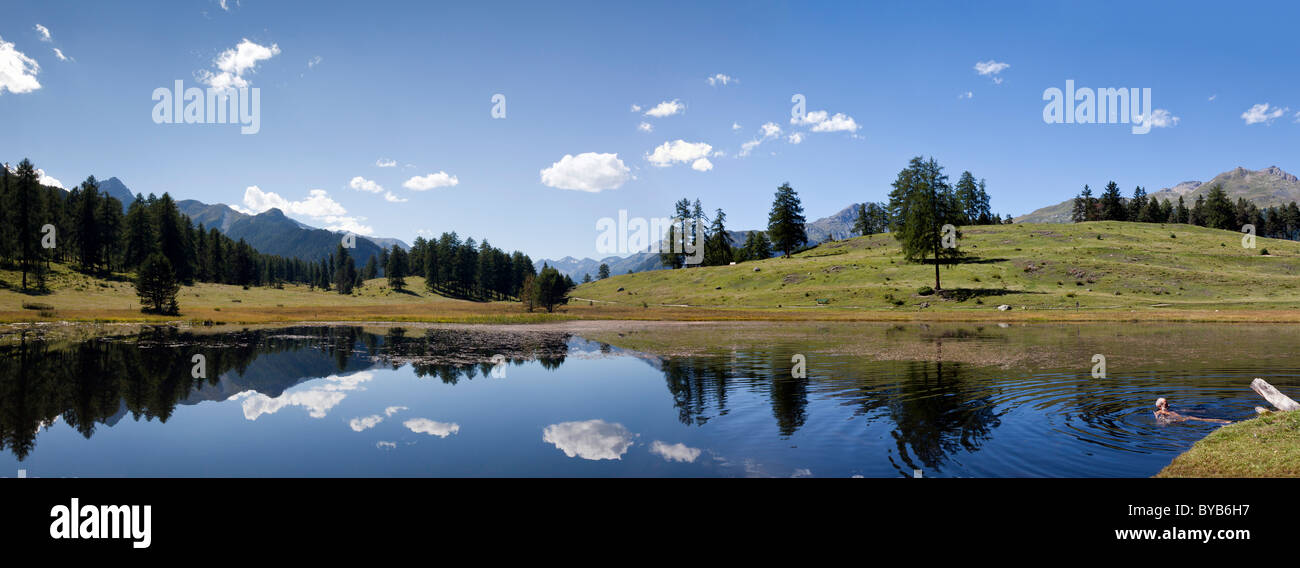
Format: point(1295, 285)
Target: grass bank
point(1265, 446)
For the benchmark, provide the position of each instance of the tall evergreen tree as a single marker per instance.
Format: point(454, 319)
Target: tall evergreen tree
point(926, 202)
point(785, 222)
point(1112, 204)
point(396, 269)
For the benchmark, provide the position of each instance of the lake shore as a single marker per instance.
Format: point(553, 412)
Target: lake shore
point(1266, 446)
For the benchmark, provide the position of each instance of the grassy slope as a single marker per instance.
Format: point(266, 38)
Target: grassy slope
point(1131, 267)
point(1267, 446)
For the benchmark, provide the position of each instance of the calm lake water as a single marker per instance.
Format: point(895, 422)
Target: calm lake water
point(960, 401)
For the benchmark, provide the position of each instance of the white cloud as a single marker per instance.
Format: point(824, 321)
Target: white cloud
point(1161, 118)
point(720, 79)
point(318, 206)
point(675, 452)
point(669, 153)
point(224, 5)
point(235, 62)
point(822, 121)
point(365, 423)
point(966, 95)
point(392, 198)
point(636, 108)
point(769, 130)
point(432, 428)
point(666, 108)
point(1214, 96)
point(590, 440)
point(17, 71)
point(383, 163)
point(59, 54)
point(362, 184)
point(991, 67)
point(385, 445)
point(394, 410)
point(795, 137)
point(44, 31)
point(425, 183)
point(645, 127)
point(318, 397)
point(44, 179)
point(588, 171)
point(313, 62)
point(1261, 113)
point(735, 126)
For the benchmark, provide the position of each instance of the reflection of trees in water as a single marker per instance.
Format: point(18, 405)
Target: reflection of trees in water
point(147, 375)
point(936, 410)
point(700, 386)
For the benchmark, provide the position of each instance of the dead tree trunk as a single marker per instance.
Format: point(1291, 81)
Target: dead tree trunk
point(1277, 399)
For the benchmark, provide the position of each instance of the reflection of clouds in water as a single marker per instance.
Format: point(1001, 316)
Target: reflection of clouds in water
point(589, 440)
point(802, 472)
point(368, 422)
point(432, 428)
point(318, 399)
point(385, 445)
point(674, 452)
point(365, 423)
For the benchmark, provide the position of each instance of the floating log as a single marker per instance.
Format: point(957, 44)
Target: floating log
point(1277, 399)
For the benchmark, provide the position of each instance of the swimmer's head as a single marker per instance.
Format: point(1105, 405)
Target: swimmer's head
point(1162, 404)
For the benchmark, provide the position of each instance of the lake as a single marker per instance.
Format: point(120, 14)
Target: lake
point(628, 400)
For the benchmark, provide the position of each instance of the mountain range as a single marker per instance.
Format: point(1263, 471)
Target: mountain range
point(1267, 187)
point(836, 226)
point(270, 232)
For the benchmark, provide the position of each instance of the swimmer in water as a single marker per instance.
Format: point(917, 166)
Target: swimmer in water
point(1163, 414)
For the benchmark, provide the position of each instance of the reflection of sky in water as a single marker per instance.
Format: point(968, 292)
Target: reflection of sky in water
point(589, 439)
point(318, 397)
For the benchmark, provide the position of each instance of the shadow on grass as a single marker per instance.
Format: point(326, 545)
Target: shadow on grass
point(963, 294)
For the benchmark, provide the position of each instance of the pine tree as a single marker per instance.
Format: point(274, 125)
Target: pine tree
point(603, 273)
point(718, 249)
point(27, 208)
point(1112, 204)
point(156, 285)
point(396, 269)
point(785, 222)
point(922, 195)
point(345, 273)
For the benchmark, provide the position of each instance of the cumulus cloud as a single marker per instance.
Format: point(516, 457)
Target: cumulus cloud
point(674, 452)
point(636, 108)
point(17, 71)
point(720, 79)
point(590, 440)
point(588, 171)
point(362, 184)
point(318, 205)
point(318, 397)
point(383, 163)
point(795, 137)
point(991, 68)
point(1262, 112)
point(393, 198)
point(1161, 118)
point(645, 127)
point(432, 428)
point(668, 153)
point(666, 108)
point(233, 63)
point(44, 32)
point(735, 126)
point(768, 131)
point(45, 179)
point(394, 410)
point(822, 121)
point(425, 183)
point(365, 422)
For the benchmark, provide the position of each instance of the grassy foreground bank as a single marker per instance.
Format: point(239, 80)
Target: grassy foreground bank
point(1265, 446)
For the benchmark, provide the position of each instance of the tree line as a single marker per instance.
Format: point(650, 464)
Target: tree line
point(1212, 209)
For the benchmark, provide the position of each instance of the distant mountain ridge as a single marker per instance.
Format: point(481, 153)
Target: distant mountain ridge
point(1267, 187)
point(270, 232)
point(836, 226)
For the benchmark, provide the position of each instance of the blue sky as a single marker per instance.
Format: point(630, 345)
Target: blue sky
point(344, 85)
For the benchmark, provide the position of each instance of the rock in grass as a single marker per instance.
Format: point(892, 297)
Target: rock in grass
point(1004, 308)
